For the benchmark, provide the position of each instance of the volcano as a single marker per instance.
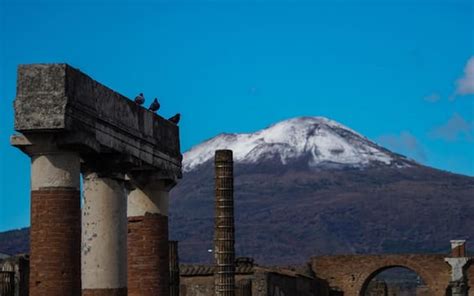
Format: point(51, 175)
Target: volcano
point(310, 186)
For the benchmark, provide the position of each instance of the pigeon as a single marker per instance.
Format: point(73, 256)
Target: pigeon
point(140, 99)
point(154, 105)
point(175, 119)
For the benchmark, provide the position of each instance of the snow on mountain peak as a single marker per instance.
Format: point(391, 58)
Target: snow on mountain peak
point(321, 139)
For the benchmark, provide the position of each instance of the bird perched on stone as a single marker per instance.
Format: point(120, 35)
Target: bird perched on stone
point(154, 105)
point(175, 119)
point(140, 99)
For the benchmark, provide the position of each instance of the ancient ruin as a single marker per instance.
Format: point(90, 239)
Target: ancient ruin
point(352, 273)
point(174, 268)
point(224, 225)
point(71, 124)
point(118, 244)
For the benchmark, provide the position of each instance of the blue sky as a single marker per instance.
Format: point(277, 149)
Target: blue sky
point(395, 71)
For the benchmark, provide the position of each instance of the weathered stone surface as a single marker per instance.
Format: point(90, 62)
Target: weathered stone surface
point(352, 273)
point(258, 281)
point(91, 117)
point(104, 233)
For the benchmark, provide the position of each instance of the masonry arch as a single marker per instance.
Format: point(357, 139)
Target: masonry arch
point(350, 273)
point(365, 284)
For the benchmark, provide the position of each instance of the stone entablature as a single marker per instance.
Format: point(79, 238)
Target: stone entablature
point(93, 118)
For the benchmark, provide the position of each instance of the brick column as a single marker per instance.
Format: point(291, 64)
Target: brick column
point(104, 234)
point(224, 276)
point(148, 257)
point(55, 233)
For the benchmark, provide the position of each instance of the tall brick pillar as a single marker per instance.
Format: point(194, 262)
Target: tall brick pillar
point(104, 234)
point(55, 233)
point(224, 280)
point(148, 257)
point(174, 268)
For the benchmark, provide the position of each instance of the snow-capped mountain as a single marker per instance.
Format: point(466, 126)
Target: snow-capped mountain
point(287, 211)
point(319, 140)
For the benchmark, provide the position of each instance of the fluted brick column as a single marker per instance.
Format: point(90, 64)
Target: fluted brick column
point(104, 234)
point(224, 252)
point(148, 256)
point(55, 233)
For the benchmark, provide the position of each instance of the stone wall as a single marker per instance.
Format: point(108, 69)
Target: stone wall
point(351, 272)
point(202, 285)
point(198, 281)
point(470, 278)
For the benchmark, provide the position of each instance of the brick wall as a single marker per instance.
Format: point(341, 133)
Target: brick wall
point(105, 292)
point(470, 277)
point(148, 257)
point(351, 272)
point(55, 240)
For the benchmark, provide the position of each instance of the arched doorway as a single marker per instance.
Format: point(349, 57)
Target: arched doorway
point(394, 280)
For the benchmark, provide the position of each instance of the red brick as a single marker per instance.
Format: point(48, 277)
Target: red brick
point(105, 292)
point(351, 273)
point(148, 257)
point(55, 241)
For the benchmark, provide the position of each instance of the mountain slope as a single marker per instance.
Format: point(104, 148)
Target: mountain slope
point(310, 186)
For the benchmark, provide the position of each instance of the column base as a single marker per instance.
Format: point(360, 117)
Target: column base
point(105, 292)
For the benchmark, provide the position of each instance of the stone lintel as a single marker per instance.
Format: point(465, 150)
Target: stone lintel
point(86, 116)
point(151, 180)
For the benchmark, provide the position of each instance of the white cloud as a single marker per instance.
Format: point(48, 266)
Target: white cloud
point(455, 128)
point(404, 143)
point(465, 84)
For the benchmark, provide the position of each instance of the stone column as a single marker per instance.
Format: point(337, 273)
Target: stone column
point(104, 234)
point(459, 288)
point(224, 281)
point(55, 233)
point(174, 268)
point(148, 257)
point(458, 261)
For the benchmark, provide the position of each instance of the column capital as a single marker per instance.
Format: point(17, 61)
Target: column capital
point(39, 144)
point(106, 165)
point(152, 180)
point(457, 267)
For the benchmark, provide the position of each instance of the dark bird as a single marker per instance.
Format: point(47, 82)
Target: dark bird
point(175, 119)
point(140, 99)
point(154, 105)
